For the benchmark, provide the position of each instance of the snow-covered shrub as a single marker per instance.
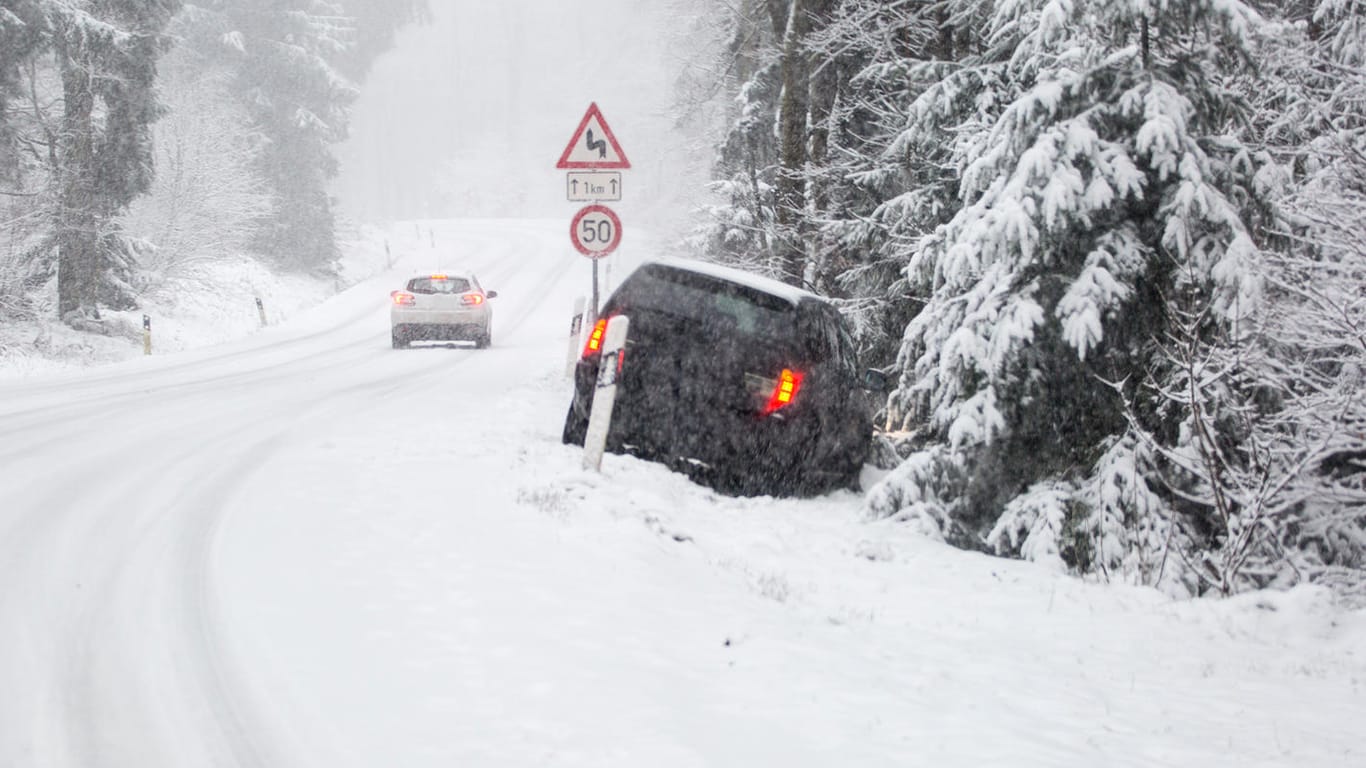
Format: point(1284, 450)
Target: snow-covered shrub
point(921, 492)
point(206, 201)
point(1035, 525)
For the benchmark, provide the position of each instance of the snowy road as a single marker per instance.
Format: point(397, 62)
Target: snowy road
point(308, 549)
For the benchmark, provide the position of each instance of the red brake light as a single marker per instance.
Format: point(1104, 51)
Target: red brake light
point(403, 298)
point(785, 391)
point(472, 299)
point(594, 344)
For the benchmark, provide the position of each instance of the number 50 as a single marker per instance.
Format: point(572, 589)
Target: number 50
point(599, 231)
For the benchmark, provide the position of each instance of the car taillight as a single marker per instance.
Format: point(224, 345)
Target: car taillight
point(472, 299)
point(403, 298)
point(594, 345)
point(779, 392)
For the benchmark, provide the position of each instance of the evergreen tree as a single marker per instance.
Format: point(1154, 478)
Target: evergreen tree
point(28, 145)
point(284, 55)
point(1119, 265)
point(296, 64)
point(106, 53)
point(887, 186)
point(1099, 176)
point(22, 37)
point(740, 230)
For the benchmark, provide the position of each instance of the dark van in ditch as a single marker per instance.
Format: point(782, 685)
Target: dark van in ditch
point(744, 383)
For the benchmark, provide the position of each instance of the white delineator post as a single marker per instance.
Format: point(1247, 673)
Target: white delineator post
point(575, 336)
point(605, 393)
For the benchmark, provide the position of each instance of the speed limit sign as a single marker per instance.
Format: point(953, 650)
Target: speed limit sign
point(595, 230)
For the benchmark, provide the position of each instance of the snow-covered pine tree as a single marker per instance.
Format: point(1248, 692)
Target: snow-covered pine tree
point(26, 199)
point(1100, 171)
point(295, 65)
point(285, 56)
point(887, 186)
point(22, 36)
point(1288, 497)
point(740, 226)
point(106, 56)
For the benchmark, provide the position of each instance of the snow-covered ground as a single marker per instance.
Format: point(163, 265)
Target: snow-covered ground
point(304, 548)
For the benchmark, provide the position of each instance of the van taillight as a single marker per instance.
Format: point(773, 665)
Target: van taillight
point(785, 390)
point(403, 298)
point(594, 344)
point(472, 299)
point(773, 394)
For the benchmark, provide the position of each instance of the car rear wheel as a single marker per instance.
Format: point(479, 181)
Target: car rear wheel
point(575, 427)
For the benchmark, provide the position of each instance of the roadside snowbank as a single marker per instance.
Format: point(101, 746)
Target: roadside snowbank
point(215, 303)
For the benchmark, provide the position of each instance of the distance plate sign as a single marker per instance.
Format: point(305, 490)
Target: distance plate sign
point(595, 231)
point(592, 186)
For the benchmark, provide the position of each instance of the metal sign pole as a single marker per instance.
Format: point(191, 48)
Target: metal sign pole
point(596, 304)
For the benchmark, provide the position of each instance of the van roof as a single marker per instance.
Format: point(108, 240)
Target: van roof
point(758, 282)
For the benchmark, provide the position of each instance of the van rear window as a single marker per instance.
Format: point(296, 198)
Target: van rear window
point(429, 285)
point(711, 301)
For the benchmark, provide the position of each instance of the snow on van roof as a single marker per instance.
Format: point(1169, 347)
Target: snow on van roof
point(768, 285)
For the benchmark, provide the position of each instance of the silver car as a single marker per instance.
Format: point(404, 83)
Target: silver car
point(451, 306)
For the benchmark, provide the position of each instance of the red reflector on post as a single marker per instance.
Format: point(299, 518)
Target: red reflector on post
point(786, 390)
point(594, 344)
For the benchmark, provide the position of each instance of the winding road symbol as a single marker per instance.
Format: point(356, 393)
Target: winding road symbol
point(592, 145)
point(600, 145)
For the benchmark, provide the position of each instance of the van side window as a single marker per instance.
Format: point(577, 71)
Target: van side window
point(846, 354)
point(848, 351)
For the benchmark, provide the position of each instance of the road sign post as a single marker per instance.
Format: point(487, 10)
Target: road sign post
point(593, 160)
point(595, 231)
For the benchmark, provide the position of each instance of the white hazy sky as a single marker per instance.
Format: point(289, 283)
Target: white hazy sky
point(467, 116)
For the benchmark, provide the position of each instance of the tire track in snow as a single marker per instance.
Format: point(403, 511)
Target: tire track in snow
point(130, 550)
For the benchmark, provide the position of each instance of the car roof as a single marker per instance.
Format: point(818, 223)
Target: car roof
point(768, 285)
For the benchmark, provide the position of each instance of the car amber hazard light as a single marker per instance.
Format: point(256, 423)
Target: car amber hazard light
point(594, 344)
point(784, 390)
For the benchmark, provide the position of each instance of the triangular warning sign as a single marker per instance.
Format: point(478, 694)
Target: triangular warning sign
point(593, 145)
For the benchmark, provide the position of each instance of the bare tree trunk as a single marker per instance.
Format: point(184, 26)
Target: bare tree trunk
point(77, 221)
point(792, 121)
point(824, 89)
point(779, 12)
point(944, 48)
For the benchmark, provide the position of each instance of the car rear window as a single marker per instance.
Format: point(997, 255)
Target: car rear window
point(714, 302)
point(438, 285)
